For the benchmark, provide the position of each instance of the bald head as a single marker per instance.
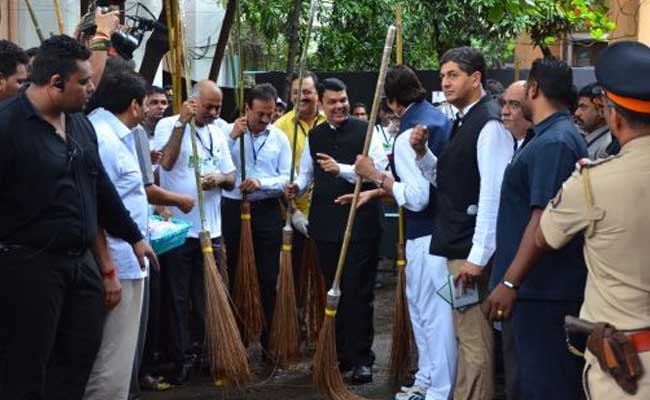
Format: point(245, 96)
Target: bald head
point(513, 110)
point(209, 100)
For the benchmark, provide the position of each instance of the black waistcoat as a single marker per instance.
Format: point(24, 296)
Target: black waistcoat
point(459, 181)
point(327, 220)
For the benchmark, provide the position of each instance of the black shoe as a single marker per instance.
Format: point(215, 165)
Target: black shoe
point(361, 375)
point(181, 374)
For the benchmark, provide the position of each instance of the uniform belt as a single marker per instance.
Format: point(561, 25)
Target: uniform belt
point(640, 341)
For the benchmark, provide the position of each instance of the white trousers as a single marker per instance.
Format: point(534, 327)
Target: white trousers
point(431, 318)
point(111, 373)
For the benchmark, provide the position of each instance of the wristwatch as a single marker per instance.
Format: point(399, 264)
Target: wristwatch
point(178, 124)
point(510, 285)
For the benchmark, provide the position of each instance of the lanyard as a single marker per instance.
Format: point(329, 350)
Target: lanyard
point(310, 127)
point(208, 149)
point(259, 149)
point(383, 133)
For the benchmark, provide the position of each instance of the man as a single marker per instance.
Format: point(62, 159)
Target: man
point(513, 113)
point(184, 279)
point(280, 109)
point(156, 104)
point(590, 116)
point(309, 116)
point(425, 273)
point(268, 163)
point(13, 69)
point(326, 162)
point(516, 120)
point(55, 193)
point(121, 97)
point(468, 178)
point(556, 288)
point(590, 205)
point(360, 111)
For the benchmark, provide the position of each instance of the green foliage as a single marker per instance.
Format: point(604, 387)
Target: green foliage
point(349, 34)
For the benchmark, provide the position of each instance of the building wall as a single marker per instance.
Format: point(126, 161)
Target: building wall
point(632, 18)
point(202, 19)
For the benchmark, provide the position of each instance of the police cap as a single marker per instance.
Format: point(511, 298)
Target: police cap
point(623, 70)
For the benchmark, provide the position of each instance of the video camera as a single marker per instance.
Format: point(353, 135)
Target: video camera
point(124, 42)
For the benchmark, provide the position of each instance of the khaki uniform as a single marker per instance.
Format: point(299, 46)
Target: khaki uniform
point(616, 249)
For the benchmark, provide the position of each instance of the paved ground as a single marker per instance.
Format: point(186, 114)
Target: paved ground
point(296, 384)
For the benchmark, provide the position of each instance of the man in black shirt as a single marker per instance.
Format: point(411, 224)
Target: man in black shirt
point(13, 69)
point(54, 194)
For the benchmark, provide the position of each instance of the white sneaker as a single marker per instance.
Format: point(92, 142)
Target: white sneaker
point(411, 393)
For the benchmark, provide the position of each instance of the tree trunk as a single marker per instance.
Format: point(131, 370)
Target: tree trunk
point(224, 35)
point(294, 40)
point(546, 51)
point(156, 48)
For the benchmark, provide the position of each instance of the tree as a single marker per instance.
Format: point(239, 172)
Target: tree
point(549, 20)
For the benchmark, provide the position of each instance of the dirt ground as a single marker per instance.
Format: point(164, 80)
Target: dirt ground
point(296, 384)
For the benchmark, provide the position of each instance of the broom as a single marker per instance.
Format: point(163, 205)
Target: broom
point(226, 352)
point(284, 340)
point(30, 9)
point(313, 293)
point(327, 377)
point(246, 291)
point(402, 343)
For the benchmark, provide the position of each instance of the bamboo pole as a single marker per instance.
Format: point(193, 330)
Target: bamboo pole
point(326, 373)
point(32, 15)
point(171, 55)
point(402, 343)
point(59, 16)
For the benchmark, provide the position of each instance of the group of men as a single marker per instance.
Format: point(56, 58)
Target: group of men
point(486, 198)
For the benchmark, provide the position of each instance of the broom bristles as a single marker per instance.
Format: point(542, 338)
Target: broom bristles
point(284, 341)
point(327, 376)
point(313, 293)
point(226, 352)
point(402, 343)
point(246, 293)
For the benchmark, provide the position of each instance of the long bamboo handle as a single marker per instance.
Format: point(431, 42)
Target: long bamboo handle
point(59, 16)
point(379, 90)
point(188, 92)
point(32, 15)
point(399, 58)
point(296, 107)
point(171, 54)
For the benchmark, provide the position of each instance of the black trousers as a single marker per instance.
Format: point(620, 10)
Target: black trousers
point(52, 313)
point(354, 318)
point(266, 225)
point(183, 277)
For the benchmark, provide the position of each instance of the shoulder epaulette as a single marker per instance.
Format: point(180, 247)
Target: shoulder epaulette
point(589, 163)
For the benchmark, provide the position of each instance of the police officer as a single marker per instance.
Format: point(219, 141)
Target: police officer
point(602, 201)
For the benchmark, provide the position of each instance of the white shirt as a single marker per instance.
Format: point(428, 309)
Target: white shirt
point(383, 137)
point(118, 154)
point(268, 159)
point(412, 192)
point(214, 157)
point(494, 150)
point(346, 171)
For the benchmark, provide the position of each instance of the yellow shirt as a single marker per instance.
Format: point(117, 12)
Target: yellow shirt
point(616, 228)
point(287, 125)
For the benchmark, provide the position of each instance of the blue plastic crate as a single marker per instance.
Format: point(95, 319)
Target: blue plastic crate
point(171, 239)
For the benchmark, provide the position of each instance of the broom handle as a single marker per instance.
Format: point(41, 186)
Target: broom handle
point(59, 16)
point(399, 58)
point(388, 46)
point(296, 107)
point(188, 93)
point(30, 9)
point(171, 55)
